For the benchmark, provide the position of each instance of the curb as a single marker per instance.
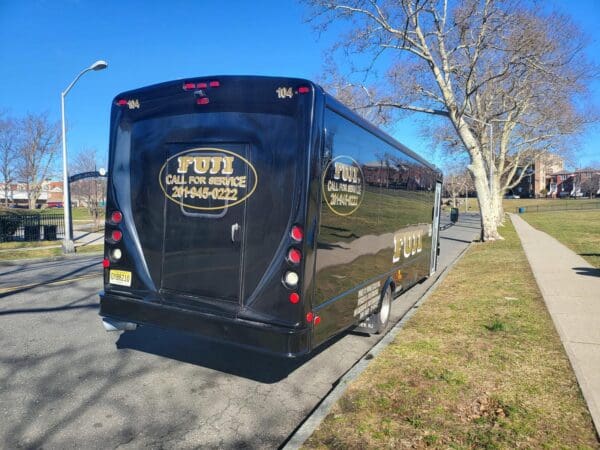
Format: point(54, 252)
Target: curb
point(314, 419)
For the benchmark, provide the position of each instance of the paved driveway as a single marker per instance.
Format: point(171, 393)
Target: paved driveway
point(65, 382)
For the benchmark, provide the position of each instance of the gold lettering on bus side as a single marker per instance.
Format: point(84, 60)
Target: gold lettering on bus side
point(174, 179)
point(407, 244)
point(346, 172)
point(201, 164)
point(184, 163)
point(215, 165)
point(397, 248)
point(208, 179)
point(227, 165)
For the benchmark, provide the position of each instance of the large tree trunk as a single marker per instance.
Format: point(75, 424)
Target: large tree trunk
point(498, 196)
point(487, 204)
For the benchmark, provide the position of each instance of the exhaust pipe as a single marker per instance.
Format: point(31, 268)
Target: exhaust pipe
point(117, 325)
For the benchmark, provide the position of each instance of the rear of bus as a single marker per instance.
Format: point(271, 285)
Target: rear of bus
point(206, 210)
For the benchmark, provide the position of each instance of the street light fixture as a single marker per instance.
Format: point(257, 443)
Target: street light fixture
point(68, 245)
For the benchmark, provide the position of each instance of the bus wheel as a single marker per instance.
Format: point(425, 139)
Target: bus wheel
point(382, 317)
point(377, 322)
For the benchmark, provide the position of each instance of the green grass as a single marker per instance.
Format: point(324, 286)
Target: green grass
point(94, 248)
point(578, 230)
point(19, 245)
point(550, 205)
point(82, 214)
point(78, 213)
point(480, 365)
point(48, 252)
point(512, 205)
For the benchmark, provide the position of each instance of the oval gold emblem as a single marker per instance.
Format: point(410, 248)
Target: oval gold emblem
point(207, 178)
point(343, 185)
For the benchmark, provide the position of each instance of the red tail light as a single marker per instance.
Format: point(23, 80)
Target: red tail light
point(116, 235)
point(303, 90)
point(202, 85)
point(105, 263)
point(203, 101)
point(121, 102)
point(297, 233)
point(294, 297)
point(189, 86)
point(214, 84)
point(294, 256)
point(116, 217)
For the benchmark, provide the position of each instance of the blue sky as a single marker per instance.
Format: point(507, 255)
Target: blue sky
point(44, 44)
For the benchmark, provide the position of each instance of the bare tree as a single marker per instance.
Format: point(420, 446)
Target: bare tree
point(505, 76)
point(456, 182)
point(9, 134)
point(590, 183)
point(37, 151)
point(90, 189)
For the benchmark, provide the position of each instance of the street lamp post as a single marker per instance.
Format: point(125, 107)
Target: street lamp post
point(68, 245)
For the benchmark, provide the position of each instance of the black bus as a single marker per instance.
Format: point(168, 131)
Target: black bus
point(260, 211)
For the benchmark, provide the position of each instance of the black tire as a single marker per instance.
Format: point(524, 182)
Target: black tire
point(382, 317)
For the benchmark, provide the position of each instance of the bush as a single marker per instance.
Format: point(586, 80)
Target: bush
point(9, 224)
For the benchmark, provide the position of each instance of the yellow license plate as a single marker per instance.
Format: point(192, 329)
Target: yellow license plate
point(120, 277)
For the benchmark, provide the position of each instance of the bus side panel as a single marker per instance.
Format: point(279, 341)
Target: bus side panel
point(313, 201)
point(375, 224)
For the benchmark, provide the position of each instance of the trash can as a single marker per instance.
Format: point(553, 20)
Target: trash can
point(50, 232)
point(521, 210)
point(32, 233)
point(454, 215)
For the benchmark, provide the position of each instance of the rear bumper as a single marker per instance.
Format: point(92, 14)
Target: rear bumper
point(262, 337)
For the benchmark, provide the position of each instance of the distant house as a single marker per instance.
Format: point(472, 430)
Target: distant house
point(17, 194)
point(576, 183)
point(534, 183)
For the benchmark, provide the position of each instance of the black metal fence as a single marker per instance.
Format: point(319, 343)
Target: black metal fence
point(566, 205)
point(46, 226)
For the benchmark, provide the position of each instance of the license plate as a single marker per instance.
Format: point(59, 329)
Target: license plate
point(120, 277)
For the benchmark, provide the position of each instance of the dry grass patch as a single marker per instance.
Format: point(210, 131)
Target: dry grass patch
point(42, 252)
point(479, 366)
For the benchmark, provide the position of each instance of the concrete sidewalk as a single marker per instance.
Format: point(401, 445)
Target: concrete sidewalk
point(571, 289)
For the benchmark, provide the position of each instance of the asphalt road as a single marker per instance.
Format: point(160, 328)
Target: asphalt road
point(66, 383)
